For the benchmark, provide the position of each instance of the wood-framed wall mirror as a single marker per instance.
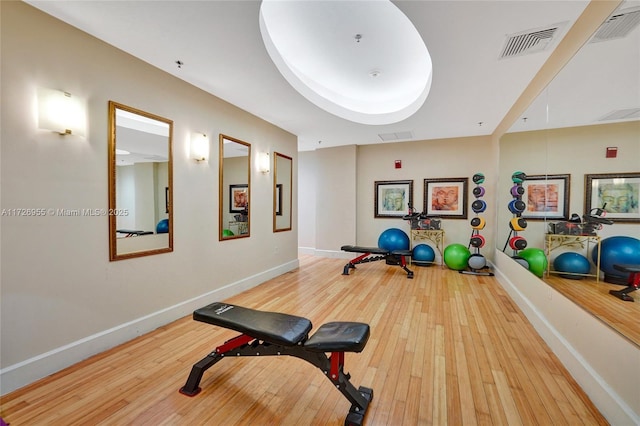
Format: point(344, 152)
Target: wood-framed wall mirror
point(282, 192)
point(140, 183)
point(235, 188)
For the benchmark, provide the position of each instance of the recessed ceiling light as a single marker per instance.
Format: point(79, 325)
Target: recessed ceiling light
point(311, 44)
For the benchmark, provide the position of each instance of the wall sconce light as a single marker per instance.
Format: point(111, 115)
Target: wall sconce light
point(265, 162)
point(199, 147)
point(60, 112)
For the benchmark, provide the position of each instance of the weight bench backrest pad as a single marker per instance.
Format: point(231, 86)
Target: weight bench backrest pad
point(273, 327)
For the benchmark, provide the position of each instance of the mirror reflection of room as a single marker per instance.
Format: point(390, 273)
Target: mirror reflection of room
point(282, 192)
point(140, 200)
point(580, 132)
point(235, 192)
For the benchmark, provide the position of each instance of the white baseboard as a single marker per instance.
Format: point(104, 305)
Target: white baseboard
point(609, 402)
point(28, 371)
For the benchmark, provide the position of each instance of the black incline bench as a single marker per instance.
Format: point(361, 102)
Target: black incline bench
point(633, 282)
point(372, 254)
point(274, 333)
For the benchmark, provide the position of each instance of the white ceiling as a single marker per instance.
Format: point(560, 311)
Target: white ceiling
point(222, 52)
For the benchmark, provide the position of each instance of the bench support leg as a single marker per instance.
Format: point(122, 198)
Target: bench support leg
point(332, 367)
point(391, 259)
point(634, 283)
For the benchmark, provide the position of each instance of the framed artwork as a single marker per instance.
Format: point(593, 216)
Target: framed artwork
point(393, 198)
point(238, 198)
point(278, 199)
point(547, 197)
point(615, 193)
point(446, 197)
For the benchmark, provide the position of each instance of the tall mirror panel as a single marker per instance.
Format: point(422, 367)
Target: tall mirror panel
point(282, 192)
point(235, 188)
point(140, 183)
point(579, 139)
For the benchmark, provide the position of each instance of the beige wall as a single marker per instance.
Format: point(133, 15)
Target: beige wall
point(61, 298)
point(343, 207)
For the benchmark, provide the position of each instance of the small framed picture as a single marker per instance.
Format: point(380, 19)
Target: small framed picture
point(238, 198)
point(547, 197)
point(615, 193)
point(393, 198)
point(446, 197)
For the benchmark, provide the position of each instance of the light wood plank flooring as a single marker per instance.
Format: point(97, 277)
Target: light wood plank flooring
point(445, 348)
point(593, 296)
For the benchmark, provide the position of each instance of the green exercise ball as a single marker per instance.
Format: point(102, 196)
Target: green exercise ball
point(227, 233)
point(456, 257)
point(536, 259)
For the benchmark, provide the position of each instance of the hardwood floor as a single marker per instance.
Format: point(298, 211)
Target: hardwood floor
point(445, 348)
point(593, 296)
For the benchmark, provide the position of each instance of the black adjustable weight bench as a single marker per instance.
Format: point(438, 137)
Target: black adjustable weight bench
point(633, 282)
point(274, 333)
point(372, 254)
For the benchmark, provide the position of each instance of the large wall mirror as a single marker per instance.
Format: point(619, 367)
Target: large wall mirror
point(235, 188)
point(282, 192)
point(591, 105)
point(140, 183)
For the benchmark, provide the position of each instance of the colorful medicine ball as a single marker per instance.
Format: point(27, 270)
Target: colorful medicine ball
point(394, 239)
point(477, 241)
point(478, 206)
point(517, 206)
point(456, 256)
point(478, 178)
point(478, 191)
point(517, 190)
point(518, 223)
point(518, 177)
point(478, 223)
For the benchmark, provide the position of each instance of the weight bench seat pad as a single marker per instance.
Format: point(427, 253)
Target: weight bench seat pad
point(375, 250)
point(339, 337)
point(627, 268)
point(359, 249)
point(273, 327)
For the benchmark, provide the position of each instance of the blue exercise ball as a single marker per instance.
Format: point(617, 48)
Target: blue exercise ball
point(423, 254)
point(616, 250)
point(572, 263)
point(394, 239)
point(162, 227)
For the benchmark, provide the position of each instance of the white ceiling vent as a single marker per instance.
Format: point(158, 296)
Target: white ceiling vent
point(622, 114)
point(530, 41)
point(386, 137)
point(619, 25)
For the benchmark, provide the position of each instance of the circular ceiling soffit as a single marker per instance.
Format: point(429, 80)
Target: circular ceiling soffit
point(362, 60)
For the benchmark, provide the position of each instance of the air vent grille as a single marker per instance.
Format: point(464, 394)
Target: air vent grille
point(619, 25)
point(387, 137)
point(530, 41)
point(622, 114)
